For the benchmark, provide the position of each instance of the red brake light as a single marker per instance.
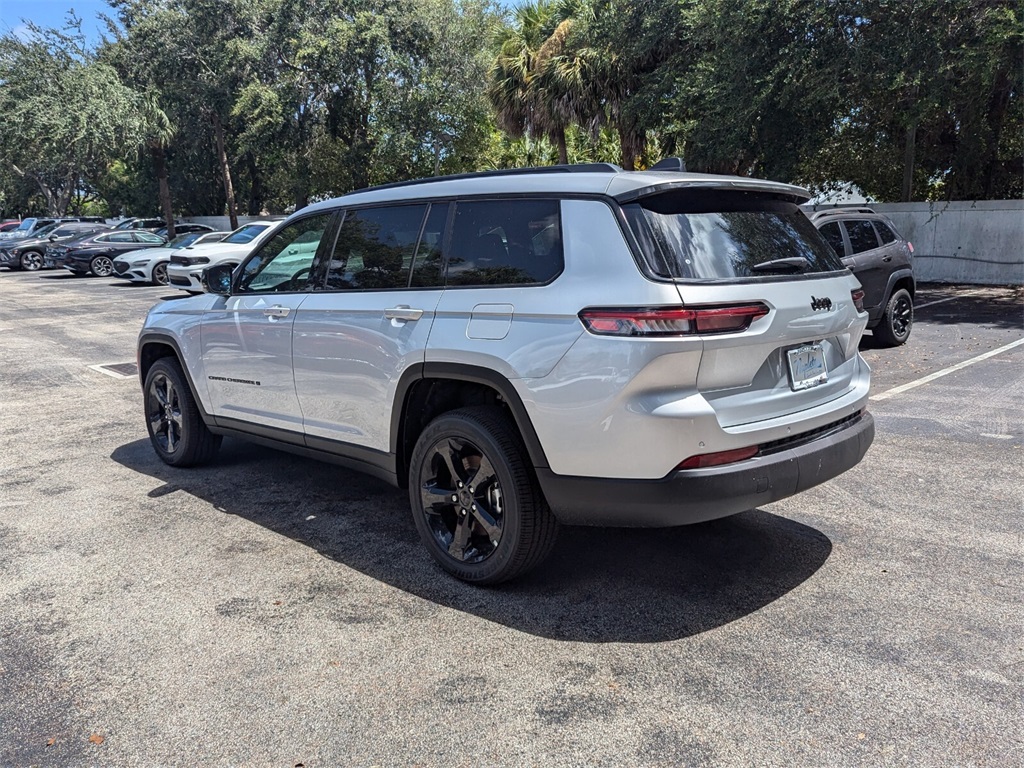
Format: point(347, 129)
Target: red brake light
point(721, 457)
point(910, 245)
point(858, 299)
point(671, 321)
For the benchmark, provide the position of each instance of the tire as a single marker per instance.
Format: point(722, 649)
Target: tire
point(897, 320)
point(102, 266)
point(31, 261)
point(483, 530)
point(176, 428)
point(160, 273)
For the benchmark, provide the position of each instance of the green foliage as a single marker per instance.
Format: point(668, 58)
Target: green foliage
point(314, 98)
point(65, 115)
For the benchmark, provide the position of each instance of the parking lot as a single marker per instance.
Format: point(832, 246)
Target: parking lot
point(270, 610)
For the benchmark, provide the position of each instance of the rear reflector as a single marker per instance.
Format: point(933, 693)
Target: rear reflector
point(721, 457)
point(910, 245)
point(671, 321)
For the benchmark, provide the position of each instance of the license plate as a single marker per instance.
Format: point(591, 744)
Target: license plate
point(806, 367)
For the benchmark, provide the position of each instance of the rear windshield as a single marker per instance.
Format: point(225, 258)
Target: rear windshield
point(710, 234)
point(245, 234)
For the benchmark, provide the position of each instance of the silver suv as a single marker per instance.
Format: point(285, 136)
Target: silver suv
point(576, 344)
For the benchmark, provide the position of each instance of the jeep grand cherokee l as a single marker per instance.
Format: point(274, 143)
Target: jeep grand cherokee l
point(576, 344)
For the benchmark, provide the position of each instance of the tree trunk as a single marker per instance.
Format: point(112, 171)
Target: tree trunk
point(563, 150)
point(998, 105)
point(255, 206)
point(160, 167)
point(631, 147)
point(908, 164)
point(225, 168)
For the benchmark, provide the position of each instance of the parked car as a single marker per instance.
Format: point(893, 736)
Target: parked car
point(27, 228)
point(186, 267)
point(149, 265)
point(29, 253)
point(576, 344)
point(882, 260)
point(182, 229)
point(95, 254)
point(139, 223)
point(7, 226)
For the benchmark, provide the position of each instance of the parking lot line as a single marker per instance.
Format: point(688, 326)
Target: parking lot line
point(948, 298)
point(945, 371)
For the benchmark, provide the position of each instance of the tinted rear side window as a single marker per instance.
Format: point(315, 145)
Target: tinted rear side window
point(862, 235)
point(886, 234)
point(375, 248)
point(710, 234)
point(505, 242)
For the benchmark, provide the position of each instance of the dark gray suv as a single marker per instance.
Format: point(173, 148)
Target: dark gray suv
point(882, 260)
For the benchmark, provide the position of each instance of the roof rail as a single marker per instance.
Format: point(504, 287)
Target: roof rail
point(843, 209)
point(571, 168)
point(669, 164)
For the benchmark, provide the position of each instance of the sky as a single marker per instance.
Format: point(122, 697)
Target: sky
point(52, 13)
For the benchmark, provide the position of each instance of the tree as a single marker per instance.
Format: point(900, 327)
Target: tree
point(66, 115)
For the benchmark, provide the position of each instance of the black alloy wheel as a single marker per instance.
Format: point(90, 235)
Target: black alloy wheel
point(31, 261)
point(176, 428)
point(102, 266)
point(475, 500)
point(160, 273)
point(898, 320)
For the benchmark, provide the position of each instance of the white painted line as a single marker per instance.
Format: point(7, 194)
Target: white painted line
point(948, 298)
point(111, 374)
point(997, 437)
point(945, 371)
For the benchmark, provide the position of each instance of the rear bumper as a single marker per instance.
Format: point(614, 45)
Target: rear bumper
point(696, 495)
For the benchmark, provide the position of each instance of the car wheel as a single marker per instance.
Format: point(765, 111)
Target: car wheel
point(160, 273)
point(102, 266)
point(898, 319)
point(475, 500)
point(31, 261)
point(175, 425)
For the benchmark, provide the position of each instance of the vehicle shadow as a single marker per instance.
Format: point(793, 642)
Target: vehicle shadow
point(996, 307)
point(598, 586)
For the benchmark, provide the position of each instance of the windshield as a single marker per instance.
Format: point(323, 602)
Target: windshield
point(244, 234)
point(182, 240)
point(44, 231)
point(713, 234)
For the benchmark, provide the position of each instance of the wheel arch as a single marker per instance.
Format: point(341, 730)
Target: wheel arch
point(157, 346)
point(427, 390)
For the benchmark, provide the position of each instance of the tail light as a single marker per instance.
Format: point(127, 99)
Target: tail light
point(671, 321)
point(721, 457)
point(858, 299)
point(910, 245)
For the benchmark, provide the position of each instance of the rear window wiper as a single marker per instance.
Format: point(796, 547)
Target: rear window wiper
point(791, 264)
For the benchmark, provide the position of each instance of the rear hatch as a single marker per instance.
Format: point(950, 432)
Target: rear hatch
point(732, 248)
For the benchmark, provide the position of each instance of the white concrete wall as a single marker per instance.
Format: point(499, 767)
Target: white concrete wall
point(974, 242)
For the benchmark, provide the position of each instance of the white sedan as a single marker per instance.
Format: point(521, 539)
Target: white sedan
point(150, 265)
point(186, 268)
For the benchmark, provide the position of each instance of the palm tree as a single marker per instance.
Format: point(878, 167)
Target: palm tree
point(539, 81)
point(159, 134)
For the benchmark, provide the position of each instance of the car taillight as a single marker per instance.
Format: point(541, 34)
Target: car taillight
point(858, 299)
point(910, 245)
point(671, 321)
point(720, 457)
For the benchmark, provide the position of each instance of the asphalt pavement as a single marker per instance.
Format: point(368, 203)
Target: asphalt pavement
point(273, 611)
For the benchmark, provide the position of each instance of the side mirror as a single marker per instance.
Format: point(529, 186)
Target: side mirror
point(217, 279)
